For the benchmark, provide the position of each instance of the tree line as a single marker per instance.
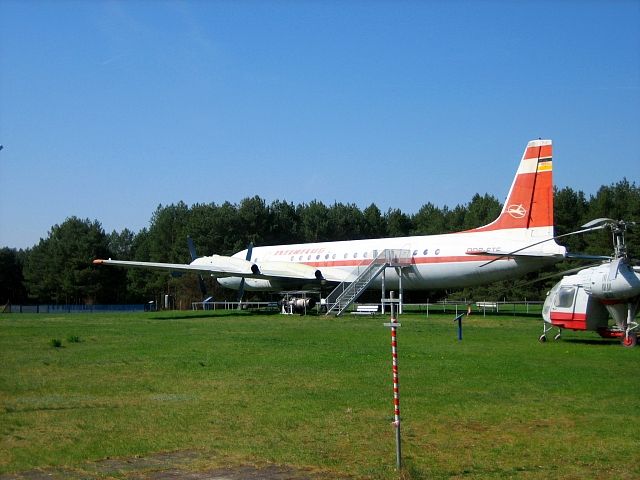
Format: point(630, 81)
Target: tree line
point(59, 268)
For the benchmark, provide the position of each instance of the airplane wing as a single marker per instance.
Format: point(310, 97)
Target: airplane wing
point(221, 266)
point(217, 270)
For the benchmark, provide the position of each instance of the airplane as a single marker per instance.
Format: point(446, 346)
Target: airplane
point(587, 300)
point(519, 241)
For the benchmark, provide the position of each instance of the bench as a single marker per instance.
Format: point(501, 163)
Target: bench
point(485, 305)
point(366, 310)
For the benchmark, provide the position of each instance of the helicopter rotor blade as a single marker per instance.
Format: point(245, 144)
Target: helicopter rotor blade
point(597, 221)
point(584, 256)
point(584, 230)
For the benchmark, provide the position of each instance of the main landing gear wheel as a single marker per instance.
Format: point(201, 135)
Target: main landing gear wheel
point(542, 338)
point(558, 336)
point(630, 340)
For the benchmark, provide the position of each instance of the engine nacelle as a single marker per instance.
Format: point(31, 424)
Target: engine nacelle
point(250, 283)
point(226, 264)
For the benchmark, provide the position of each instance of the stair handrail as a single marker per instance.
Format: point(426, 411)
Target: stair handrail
point(387, 257)
point(336, 292)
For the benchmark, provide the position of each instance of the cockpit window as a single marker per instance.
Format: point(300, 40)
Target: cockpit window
point(564, 297)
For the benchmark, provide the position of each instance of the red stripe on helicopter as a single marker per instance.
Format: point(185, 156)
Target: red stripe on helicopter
point(570, 320)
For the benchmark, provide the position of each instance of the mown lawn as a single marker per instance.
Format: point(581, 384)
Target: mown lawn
point(316, 392)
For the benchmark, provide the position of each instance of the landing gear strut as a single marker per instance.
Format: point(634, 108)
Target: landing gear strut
point(630, 340)
point(630, 337)
point(547, 328)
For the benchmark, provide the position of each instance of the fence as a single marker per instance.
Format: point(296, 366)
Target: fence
point(482, 307)
point(74, 308)
point(225, 305)
point(500, 307)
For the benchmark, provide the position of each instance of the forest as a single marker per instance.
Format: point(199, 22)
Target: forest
point(59, 269)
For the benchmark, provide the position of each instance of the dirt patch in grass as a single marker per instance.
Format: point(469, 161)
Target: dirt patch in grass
point(180, 465)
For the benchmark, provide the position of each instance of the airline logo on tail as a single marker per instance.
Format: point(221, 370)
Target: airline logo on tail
point(516, 211)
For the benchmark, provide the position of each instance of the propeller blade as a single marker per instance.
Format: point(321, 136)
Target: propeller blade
point(203, 286)
point(241, 289)
point(194, 255)
point(192, 248)
point(240, 292)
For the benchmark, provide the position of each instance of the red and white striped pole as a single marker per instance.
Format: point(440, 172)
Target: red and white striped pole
point(396, 386)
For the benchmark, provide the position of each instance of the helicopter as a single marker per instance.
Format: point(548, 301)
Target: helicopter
point(588, 299)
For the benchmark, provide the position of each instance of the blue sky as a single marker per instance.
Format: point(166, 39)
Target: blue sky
point(109, 108)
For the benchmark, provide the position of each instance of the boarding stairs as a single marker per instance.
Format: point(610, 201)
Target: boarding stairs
point(367, 271)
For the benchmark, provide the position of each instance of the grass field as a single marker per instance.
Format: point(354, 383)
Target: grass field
point(251, 389)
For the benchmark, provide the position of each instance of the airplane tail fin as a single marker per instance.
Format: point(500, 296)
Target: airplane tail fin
point(529, 204)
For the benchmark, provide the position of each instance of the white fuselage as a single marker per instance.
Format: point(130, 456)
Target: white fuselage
point(436, 261)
